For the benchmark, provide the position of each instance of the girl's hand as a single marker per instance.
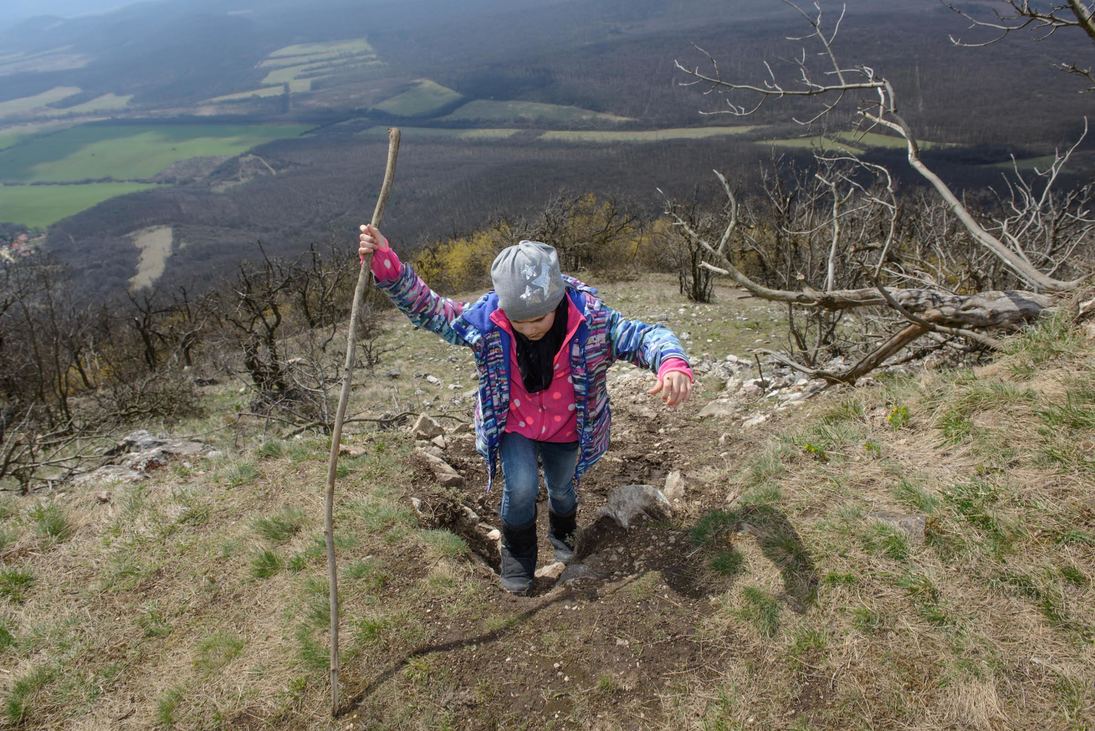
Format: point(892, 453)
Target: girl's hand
point(675, 388)
point(371, 240)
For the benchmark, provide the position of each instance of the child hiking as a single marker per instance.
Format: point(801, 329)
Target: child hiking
point(543, 342)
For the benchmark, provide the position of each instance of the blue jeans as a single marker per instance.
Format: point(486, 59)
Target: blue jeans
point(522, 479)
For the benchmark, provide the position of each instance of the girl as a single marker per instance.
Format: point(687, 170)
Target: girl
point(543, 343)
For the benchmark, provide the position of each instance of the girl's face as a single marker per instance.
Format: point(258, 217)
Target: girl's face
point(536, 328)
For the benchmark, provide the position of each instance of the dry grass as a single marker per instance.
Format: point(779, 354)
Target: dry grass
point(198, 598)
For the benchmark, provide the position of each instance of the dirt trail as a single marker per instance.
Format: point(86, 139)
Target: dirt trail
point(602, 644)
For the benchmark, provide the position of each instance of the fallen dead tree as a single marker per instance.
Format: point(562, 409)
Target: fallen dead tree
point(855, 234)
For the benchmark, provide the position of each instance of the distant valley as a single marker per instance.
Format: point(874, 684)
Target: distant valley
point(265, 122)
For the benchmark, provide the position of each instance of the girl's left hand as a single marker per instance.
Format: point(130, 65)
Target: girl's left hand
point(675, 388)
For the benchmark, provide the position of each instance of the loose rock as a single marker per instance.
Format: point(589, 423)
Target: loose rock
point(674, 485)
point(426, 427)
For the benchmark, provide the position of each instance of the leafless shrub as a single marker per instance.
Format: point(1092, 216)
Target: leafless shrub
point(1032, 237)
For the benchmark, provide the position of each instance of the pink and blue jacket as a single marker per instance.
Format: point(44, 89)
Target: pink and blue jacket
point(602, 337)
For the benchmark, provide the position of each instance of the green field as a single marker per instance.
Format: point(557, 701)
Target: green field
point(422, 99)
point(817, 142)
point(646, 135)
point(1041, 162)
point(509, 111)
point(849, 142)
point(411, 133)
point(299, 65)
point(10, 136)
point(39, 206)
point(313, 51)
point(104, 103)
point(29, 104)
point(253, 94)
point(128, 152)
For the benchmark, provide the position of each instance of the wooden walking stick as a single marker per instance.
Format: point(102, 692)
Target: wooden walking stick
point(340, 414)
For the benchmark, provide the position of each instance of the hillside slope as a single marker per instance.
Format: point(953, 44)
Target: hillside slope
point(913, 553)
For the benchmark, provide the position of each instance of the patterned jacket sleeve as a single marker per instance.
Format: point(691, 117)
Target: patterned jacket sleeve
point(424, 307)
point(642, 344)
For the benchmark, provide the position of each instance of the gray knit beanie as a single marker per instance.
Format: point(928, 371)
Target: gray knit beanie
point(527, 279)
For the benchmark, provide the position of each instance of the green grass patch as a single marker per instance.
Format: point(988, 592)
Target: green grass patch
point(281, 527)
point(129, 152)
point(424, 98)
point(820, 143)
point(429, 133)
point(727, 562)
point(216, 651)
point(19, 699)
point(840, 578)
point(880, 539)
point(866, 620)
point(8, 536)
point(167, 705)
point(914, 496)
point(37, 102)
point(956, 427)
point(760, 609)
point(240, 474)
point(272, 449)
point(444, 544)
point(1052, 338)
point(265, 564)
point(1074, 575)
point(39, 206)
point(369, 572)
point(14, 584)
point(644, 135)
point(51, 523)
point(898, 416)
point(310, 652)
point(371, 628)
point(488, 111)
point(153, 624)
point(7, 639)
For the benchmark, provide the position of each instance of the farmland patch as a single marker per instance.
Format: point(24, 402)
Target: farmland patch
point(645, 135)
point(483, 110)
point(410, 133)
point(39, 206)
point(423, 98)
point(298, 66)
point(54, 60)
point(129, 152)
point(30, 104)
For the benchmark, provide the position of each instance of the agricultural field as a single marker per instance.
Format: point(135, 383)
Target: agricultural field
point(411, 133)
point(12, 135)
point(487, 111)
point(43, 62)
point(37, 103)
point(39, 206)
point(849, 142)
point(424, 98)
point(300, 65)
point(128, 152)
point(646, 135)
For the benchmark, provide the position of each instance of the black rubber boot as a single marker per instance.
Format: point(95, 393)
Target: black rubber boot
point(564, 530)
point(518, 557)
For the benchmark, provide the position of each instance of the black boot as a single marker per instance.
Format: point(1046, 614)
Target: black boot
point(518, 557)
point(564, 530)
